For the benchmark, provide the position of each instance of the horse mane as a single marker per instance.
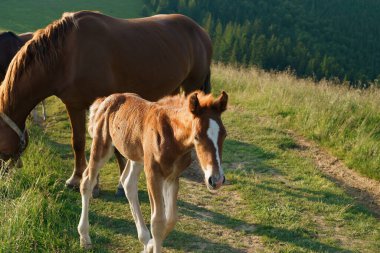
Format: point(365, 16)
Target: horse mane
point(43, 49)
point(181, 101)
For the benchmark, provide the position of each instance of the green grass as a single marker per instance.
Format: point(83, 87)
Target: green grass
point(345, 121)
point(28, 15)
point(275, 200)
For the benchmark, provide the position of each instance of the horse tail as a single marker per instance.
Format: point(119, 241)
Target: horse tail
point(206, 88)
point(93, 110)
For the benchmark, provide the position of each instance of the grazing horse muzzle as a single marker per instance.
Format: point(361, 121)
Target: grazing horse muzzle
point(214, 182)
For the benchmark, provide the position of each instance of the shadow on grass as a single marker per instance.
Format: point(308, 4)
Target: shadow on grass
point(247, 157)
point(251, 159)
point(300, 237)
point(319, 196)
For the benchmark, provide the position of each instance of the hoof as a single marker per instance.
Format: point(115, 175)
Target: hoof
point(73, 182)
point(96, 192)
point(19, 163)
point(85, 244)
point(120, 192)
point(149, 247)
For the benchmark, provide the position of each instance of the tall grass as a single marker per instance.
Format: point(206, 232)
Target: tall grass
point(344, 120)
point(34, 214)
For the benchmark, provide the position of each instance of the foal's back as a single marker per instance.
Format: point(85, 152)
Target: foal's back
point(124, 119)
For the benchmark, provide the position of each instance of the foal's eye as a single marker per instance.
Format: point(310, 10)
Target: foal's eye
point(196, 137)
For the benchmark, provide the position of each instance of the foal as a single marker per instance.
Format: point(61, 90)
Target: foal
point(157, 137)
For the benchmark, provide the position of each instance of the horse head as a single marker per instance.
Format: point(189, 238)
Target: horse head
point(208, 135)
point(13, 141)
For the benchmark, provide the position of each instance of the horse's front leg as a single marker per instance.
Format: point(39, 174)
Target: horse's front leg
point(78, 141)
point(155, 184)
point(170, 192)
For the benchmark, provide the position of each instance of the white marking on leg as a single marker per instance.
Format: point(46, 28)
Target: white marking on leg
point(213, 134)
point(84, 226)
point(170, 199)
point(131, 191)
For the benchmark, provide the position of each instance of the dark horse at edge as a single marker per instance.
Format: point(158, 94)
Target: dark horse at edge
point(10, 44)
point(86, 55)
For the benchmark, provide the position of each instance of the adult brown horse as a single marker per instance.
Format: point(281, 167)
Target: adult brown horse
point(85, 55)
point(10, 44)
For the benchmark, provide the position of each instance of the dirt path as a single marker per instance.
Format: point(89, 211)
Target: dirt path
point(229, 199)
point(366, 191)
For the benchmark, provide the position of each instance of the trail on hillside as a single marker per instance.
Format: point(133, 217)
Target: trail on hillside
point(365, 190)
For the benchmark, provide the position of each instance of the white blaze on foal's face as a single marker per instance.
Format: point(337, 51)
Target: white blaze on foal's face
point(209, 134)
point(208, 144)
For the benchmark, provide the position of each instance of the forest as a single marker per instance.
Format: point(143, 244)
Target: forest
point(336, 40)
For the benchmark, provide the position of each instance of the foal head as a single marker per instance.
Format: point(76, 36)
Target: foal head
point(209, 134)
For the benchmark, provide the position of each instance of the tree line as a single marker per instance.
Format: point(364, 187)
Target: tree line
point(336, 39)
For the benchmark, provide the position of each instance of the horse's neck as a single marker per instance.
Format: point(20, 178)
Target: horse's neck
point(17, 100)
point(181, 123)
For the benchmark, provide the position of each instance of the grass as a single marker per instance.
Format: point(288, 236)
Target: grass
point(343, 120)
point(275, 199)
point(29, 15)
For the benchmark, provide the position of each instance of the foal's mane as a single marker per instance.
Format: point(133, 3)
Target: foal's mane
point(180, 101)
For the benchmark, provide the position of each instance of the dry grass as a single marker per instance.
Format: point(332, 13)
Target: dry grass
point(344, 120)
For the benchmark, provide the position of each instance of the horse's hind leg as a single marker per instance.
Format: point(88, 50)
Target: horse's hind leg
point(121, 161)
point(131, 177)
point(100, 153)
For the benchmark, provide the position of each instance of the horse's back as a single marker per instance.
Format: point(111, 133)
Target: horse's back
point(148, 56)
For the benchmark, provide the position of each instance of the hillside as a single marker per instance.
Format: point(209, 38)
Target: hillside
point(322, 39)
point(25, 15)
point(276, 198)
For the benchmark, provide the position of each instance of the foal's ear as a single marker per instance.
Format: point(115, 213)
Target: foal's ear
point(194, 106)
point(221, 103)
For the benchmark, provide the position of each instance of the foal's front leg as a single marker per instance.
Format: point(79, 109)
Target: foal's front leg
point(155, 183)
point(170, 191)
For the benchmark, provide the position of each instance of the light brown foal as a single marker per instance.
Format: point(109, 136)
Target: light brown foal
point(157, 137)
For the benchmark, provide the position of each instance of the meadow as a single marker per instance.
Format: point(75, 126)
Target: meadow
point(29, 15)
point(275, 199)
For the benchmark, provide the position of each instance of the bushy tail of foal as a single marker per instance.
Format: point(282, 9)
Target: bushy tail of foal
point(93, 109)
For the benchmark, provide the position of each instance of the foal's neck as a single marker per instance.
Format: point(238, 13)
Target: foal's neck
point(181, 121)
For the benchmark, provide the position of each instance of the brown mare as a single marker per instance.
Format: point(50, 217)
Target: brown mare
point(10, 44)
point(85, 55)
point(157, 137)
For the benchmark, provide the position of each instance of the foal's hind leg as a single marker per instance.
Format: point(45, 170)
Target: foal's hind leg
point(121, 161)
point(100, 152)
point(131, 177)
